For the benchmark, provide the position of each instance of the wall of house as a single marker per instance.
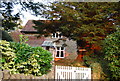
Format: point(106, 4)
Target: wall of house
point(70, 48)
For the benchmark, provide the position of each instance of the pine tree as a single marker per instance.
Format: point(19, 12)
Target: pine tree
point(85, 22)
point(9, 20)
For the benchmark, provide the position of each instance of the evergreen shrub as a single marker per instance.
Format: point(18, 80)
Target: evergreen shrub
point(25, 59)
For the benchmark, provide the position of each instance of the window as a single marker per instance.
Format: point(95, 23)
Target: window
point(48, 48)
point(60, 52)
point(56, 35)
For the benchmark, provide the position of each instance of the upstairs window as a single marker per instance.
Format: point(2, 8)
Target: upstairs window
point(60, 52)
point(56, 35)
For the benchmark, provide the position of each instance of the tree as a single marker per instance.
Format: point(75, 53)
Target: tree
point(10, 20)
point(86, 23)
point(112, 54)
point(6, 36)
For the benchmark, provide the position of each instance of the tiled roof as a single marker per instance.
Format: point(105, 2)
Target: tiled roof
point(15, 35)
point(29, 25)
point(32, 40)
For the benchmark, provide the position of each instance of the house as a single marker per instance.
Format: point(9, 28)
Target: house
point(59, 48)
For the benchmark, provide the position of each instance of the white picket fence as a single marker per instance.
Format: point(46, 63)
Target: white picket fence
point(70, 73)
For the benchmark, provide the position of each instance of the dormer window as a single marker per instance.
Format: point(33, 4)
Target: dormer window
point(56, 35)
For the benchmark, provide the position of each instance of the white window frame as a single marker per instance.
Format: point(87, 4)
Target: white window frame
point(60, 52)
point(55, 36)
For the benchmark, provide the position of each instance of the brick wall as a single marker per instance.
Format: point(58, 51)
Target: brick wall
point(6, 76)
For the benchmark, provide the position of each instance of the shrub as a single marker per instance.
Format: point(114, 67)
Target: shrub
point(98, 65)
point(28, 60)
point(88, 60)
point(112, 54)
point(8, 55)
point(6, 36)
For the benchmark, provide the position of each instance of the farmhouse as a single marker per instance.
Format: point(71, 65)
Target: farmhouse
point(59, 48)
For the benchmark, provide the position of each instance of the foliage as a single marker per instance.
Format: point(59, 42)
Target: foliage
point(12, 20)
point(88, 60)
point(109, 58)
point(28, 60)
point(112, 53)
point(98, 65)
point(95, 65)
point(23, 39)
point(86, 23)
point(8, 54)
point(6, 36)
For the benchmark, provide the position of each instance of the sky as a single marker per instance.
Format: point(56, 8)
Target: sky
point(27, 15)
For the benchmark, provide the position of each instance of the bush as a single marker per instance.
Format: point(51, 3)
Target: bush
point(112, 54)
point(28, 60)
point(88, 60)
point(98, 65)
point(6, 36)
point(8, 55)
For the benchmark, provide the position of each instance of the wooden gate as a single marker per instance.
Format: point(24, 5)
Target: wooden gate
point(69, 73)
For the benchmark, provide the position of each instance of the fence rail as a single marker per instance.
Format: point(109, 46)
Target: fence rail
point(68, 72)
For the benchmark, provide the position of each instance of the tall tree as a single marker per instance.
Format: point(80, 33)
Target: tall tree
point(10, 20)
point(112, 54)
point(86, 23)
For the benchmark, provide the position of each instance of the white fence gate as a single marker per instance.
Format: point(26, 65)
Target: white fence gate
point(69, 73)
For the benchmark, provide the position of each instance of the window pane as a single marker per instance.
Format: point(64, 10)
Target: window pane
point(62, 48)
point(56, 34)
point(62, 55)
point(47, 48)
point(53, 34)
point(57, 55)
point(60, 35)
point(58, 48)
